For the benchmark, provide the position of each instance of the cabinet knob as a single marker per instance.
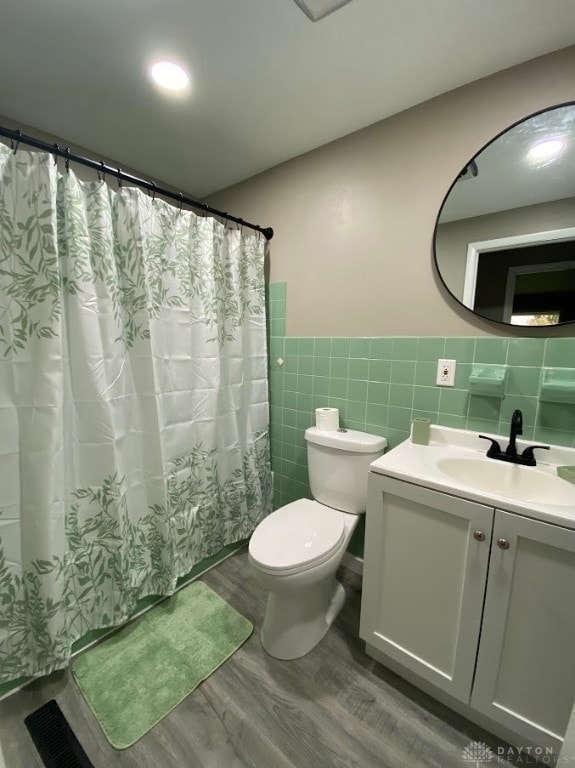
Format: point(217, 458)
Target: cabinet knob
point(502, 543)
point(479, 536)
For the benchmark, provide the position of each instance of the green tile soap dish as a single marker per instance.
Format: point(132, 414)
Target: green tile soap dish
point(488, 379)
point(558, 385)
point(567, 473)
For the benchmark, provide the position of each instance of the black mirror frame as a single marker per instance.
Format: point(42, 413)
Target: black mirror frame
point(472, 163)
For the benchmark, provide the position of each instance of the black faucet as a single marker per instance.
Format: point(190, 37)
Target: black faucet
point(527, 458)
point(516, 429)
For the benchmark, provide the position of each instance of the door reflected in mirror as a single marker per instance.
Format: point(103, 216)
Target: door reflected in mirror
point(505, 235)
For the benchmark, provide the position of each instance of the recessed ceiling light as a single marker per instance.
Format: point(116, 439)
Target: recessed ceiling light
point(548, 149)
point(170, 75)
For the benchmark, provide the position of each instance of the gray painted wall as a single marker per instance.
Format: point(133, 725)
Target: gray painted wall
point(354, 219)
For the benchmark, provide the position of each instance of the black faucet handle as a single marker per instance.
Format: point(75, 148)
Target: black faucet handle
point(528, 457)
point(494, 448)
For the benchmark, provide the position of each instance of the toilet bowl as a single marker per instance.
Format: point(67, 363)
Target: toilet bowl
point(295, 552)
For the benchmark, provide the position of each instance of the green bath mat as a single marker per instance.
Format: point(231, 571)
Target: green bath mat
point(134, 678)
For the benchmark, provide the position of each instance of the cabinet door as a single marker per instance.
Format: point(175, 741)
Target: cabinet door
point(425, 567)
point(525, 676)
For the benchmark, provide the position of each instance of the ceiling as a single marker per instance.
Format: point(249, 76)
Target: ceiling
point(268, 84)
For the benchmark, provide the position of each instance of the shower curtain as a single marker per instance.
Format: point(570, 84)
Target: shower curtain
point(133, 402)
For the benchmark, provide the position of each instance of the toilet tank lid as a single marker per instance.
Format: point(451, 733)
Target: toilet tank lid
point(346, 440)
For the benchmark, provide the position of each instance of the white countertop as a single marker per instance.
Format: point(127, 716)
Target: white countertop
point(418, 464)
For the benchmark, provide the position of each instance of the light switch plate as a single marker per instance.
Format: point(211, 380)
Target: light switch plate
point(446, 373)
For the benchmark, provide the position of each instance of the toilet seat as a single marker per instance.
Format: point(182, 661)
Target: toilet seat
point(296, 537)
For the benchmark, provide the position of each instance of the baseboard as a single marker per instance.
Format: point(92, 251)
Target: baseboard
point(353, 563)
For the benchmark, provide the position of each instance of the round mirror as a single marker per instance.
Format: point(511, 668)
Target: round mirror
point(505, 236)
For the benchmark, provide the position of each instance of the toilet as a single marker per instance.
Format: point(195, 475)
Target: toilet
point(294, 553)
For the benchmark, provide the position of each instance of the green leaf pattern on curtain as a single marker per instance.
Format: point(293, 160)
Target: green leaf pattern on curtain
point(133, 403)
point(29, 268)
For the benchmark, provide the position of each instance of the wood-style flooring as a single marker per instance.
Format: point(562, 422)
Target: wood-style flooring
point(334, 707)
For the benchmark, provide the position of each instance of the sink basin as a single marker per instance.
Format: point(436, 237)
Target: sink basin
point(454, 462)
point(511, 480)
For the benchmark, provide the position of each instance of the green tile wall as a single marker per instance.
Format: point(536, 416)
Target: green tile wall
point(381, 384)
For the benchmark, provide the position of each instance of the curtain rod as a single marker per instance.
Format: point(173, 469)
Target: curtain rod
point(21, 138)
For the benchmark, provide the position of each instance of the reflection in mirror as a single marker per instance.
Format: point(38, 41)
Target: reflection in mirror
point(505, 235)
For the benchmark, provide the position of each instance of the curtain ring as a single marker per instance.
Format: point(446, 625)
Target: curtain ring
point(153, 195)
point(181, 202)
point(103, 170)
point(119, 178)
point(14, 147)
point(67, 163)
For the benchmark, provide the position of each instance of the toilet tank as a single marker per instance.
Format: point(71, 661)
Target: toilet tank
point(338, 466)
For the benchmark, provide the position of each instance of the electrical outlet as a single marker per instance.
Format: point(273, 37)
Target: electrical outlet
point(446, 373)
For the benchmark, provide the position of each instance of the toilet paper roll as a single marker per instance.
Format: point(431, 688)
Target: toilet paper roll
point(327, 419)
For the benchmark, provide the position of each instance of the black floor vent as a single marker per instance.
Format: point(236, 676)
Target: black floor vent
point(54, 739)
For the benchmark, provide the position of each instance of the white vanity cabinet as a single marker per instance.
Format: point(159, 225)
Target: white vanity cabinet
point(474, 602)
point(425, 567)
point(525, 675)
